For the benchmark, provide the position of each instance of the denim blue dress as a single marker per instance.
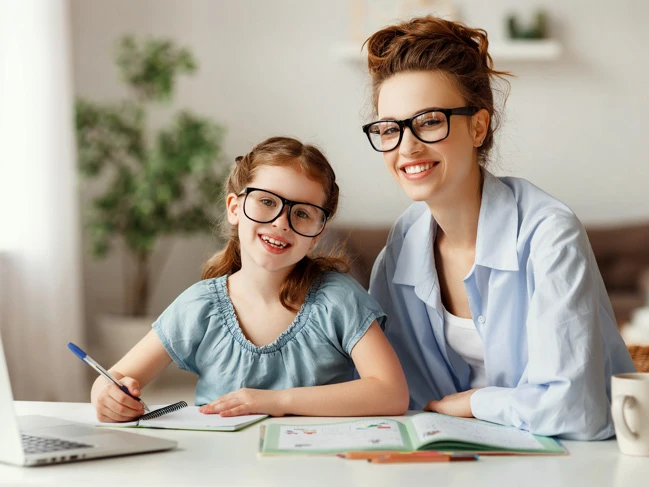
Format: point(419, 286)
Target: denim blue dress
point(200, 332)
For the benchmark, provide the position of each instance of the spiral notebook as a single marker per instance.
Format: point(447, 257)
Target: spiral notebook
point(180, 416)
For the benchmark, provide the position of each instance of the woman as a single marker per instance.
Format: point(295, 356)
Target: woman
point(495, 304)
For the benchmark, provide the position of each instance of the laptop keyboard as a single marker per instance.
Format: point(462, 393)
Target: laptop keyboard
point(41, 444)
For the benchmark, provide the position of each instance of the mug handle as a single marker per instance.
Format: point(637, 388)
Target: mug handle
point(620, 419)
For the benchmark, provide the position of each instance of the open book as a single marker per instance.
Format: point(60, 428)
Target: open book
point(183, 417)
point(424, 431)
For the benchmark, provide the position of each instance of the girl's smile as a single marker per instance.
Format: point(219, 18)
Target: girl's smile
point(274, 243)
point(274, 246)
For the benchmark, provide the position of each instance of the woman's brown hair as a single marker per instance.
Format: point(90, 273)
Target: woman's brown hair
point(288, 152)
point(434, 44)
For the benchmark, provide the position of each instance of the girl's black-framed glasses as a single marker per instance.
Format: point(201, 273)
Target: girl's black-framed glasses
point(263, 206)
point(429, 126)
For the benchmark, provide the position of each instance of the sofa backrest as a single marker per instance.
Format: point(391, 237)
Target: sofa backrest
point(621, 252)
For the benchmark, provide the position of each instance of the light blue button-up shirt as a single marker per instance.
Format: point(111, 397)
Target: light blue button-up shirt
point(538, 302)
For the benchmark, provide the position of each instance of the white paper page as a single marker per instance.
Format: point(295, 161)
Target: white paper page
point(186, 418)
point(190, 418)
point(429, 426)
point(356, 434)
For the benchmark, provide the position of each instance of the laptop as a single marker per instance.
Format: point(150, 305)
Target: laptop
point(42, 440)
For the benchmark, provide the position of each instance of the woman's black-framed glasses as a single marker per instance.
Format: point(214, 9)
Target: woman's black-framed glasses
point(264, 206)
point(429, 126)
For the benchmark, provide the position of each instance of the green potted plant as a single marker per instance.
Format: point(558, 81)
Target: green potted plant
point(153, 183)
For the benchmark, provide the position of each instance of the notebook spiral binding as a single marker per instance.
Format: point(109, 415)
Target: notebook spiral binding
point(165, 410)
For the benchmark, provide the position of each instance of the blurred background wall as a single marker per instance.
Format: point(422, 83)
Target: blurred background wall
point(575, 126)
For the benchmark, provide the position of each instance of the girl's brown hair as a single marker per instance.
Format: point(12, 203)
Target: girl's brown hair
point(434, 44)
point(288, 152)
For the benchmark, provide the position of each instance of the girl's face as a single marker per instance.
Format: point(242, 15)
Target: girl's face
point(275, 246)
point(437, 171)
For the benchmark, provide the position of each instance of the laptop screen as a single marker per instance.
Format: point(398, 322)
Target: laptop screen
point(11, 449)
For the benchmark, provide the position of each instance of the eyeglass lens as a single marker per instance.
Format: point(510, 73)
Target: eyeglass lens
point(429, 127)
point(264, 207)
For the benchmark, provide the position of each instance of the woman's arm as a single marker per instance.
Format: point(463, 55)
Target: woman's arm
point(563, 391)
point(135, 370)
point(573, 345)
point(381, 389)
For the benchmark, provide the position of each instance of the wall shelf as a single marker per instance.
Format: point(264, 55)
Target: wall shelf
point(501, 51)
point(524, 50)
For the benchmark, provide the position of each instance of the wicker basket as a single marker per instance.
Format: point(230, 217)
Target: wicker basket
point(640, 356)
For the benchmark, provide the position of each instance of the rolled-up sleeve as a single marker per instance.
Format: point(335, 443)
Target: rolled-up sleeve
point(562, 391)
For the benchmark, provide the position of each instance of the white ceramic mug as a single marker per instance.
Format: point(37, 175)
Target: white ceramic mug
point(630, 409)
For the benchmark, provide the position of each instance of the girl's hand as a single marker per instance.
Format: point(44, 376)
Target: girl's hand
point(114, 406)
point(247, 401)
point(458, 404)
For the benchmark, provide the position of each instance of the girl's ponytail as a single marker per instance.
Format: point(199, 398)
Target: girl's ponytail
point(227, 261)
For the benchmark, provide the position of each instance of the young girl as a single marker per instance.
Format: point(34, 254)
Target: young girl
point(270, 329)
point(495, 303)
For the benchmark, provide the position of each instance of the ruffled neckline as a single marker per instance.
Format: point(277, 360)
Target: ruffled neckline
point(226, 310)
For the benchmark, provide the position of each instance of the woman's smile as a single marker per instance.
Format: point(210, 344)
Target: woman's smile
point(418, 169)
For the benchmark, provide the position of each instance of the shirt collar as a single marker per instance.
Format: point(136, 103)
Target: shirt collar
point(495, 243)
point(415, 261)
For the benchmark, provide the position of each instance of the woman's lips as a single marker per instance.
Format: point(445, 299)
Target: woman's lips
point(418, 170)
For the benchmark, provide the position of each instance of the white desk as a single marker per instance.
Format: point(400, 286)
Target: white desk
point(219, 458)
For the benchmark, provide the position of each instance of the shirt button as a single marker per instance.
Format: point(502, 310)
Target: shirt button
point(481, 319)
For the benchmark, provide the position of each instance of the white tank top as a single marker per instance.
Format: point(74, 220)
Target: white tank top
point(463, 337)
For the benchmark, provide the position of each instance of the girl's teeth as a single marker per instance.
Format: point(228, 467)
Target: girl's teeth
point(418, 168)
point(273, 242)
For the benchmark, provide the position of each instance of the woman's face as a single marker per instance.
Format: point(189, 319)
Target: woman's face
point(438, 171)
point(275, 246)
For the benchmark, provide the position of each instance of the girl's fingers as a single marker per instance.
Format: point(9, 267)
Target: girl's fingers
point(106, 414)
point(222, 406)
point(131, 384)
point(120, 411)
point(207, 409)
point(125, 412)
point(218, 406)
point(235, 411)
point(125, 400)
point(431, 406)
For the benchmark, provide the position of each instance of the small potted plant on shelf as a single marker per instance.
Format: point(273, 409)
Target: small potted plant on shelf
point(536, 30)
point(153, 184)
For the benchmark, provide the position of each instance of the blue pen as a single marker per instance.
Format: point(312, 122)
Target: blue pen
point(101, 371)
